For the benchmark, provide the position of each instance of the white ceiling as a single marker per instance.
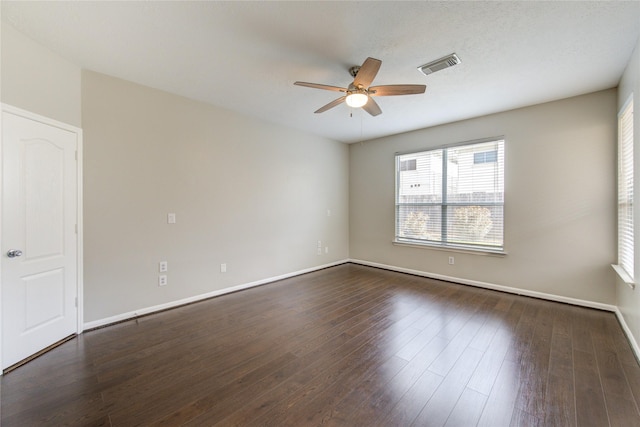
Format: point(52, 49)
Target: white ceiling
point(245, 56)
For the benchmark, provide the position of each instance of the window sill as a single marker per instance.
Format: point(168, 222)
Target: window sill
point(458, 249)
point(624, 276)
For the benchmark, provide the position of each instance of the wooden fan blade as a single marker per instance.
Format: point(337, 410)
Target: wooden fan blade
point(367, 72)
point(330, 105)
point(372, 107)
point(390, 90)
point(319, 86)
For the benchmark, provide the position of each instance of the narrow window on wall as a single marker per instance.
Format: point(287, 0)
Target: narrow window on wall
point(452, 196)
point(625, 190)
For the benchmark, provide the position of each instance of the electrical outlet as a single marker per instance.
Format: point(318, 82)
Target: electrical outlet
point(163, 266)
point(162, 280)
point(223, 268)
point(451, 260)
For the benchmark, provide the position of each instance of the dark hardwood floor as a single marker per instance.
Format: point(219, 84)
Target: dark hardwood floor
point(345, 346)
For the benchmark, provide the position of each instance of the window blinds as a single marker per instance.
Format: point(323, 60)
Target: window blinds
point(452, 196)
point(625, 189)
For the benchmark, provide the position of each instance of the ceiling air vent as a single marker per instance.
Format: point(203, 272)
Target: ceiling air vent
point(439, 64)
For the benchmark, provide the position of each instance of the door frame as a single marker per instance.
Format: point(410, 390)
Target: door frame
point(79, 201)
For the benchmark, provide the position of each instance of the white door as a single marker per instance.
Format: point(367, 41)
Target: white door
point(38, 236)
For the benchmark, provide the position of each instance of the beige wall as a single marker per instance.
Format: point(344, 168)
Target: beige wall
point(38, 80)
point(246, 193)
point(559, 208)
point(628, 300)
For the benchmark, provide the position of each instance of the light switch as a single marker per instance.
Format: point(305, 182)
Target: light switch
point(171, 218)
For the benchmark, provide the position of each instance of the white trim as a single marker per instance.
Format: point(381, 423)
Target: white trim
point(79, 219)
point(80, 231)
point(624, 276)
point(502, 288)
point(628, 333)
point(38, 118)
point(1, 175)
point(148, 310)
point(451, 248)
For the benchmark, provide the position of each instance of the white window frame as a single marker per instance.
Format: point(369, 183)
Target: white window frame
point(479, 248)
point(626, 235)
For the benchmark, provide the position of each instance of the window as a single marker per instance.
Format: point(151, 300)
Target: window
point(485, 157)
point(625, 189)
point(452, 197)
point(408, 165)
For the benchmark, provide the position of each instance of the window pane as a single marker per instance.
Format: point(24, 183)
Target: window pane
point(423, 184)
point(485, 157)
point(471, 182)
point(475, 225)
point(408, 165)
point(625, 238)
point(420, 222)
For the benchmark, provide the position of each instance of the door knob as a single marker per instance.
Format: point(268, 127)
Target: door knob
point(13, 253)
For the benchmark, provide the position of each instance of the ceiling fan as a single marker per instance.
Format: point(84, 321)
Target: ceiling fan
point(359, 93)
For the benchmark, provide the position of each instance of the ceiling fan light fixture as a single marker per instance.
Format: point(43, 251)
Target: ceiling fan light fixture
point(356, 99)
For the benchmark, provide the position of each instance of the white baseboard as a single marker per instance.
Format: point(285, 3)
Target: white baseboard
point(628, 333)
point(148, 310)
point(517, 291)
